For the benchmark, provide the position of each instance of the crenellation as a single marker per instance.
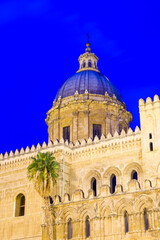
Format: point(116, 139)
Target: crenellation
point(44, 145)
point(38, 146)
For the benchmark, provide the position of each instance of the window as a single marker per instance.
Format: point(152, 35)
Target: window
point(151, 146)
point(150, 135)
point(87, 227)
point(96, 130)
point(113, 183)
point(146, 223)
point(66, 133)
point(95, 64)
point(126, 222)
point(94, 186)
point(134, 175)
point(20, 205)
point(70, 229)
point(50, 200)
point(84, 64)
point(89, 63)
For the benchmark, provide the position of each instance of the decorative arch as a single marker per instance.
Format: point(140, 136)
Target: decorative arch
point(88, 178)
point(109, 172)
point(67, 213)
point(143, 202)
point(85, 211)
point(128, 171)
point(105, 209)
point(124, 205)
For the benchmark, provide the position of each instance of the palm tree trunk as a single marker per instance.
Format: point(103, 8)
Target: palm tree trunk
point(48, 217)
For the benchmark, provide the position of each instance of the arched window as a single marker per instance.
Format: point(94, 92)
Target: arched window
point(87, 227)
point(150, 135)
point(126, 226)
point(70, 229)
point(95, 64)
point(134, 175)
point(50, 200)
point(89, 63)
point(113, 183)
point(84, 64)
point(94, 186)
point(20, 205)
point(151, 146)
point(146, 222)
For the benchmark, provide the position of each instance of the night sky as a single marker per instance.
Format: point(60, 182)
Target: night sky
point(40, 42)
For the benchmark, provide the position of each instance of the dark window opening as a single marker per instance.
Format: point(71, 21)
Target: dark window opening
point(151, 146)
point(84, 64)
point(20, 205)
point(70, 229)
point(96, 130)
point(89, 64)
point(50, 200)
point(66, 133)
point(146, 222)
point(87, 227)
point(126, 222)
point(94, 186)
point(150, 136)
point(134, 175)
point(113, 183)
point(95, 64)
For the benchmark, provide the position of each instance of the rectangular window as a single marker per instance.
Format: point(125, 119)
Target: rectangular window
point(96, 130)
point(66, 133)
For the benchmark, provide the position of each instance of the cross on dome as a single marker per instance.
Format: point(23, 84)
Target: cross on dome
point(88, 60)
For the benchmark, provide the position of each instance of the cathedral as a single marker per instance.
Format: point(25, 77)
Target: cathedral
point(109, 184)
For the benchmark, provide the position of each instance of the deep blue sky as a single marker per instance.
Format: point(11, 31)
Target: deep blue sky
point(40, 42)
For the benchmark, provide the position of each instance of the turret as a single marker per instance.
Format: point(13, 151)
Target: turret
point(150, 123)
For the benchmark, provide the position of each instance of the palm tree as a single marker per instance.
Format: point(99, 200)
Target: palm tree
point(43, 172)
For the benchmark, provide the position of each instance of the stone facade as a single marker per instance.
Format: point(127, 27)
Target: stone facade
point(108, 188)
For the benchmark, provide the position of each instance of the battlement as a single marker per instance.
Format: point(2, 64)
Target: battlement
point(148, 103)
point(115, 142)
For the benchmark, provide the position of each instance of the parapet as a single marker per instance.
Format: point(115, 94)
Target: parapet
point(115, 142)
point(149, 103)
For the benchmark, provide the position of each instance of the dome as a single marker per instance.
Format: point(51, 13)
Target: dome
point(92, 81)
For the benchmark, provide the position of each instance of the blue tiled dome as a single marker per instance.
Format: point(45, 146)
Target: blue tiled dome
point(92, 81)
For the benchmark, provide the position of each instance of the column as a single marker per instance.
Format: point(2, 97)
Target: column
point(108, 124)
point(86, 124)
point(75, 126)
point(56, 128)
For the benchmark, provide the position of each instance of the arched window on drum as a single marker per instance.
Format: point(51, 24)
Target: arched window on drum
point(84, 64)
point(89, 63)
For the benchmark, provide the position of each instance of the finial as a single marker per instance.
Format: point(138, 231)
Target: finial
point(88, 43)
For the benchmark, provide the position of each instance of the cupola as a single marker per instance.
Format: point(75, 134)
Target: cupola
point(88, 60)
